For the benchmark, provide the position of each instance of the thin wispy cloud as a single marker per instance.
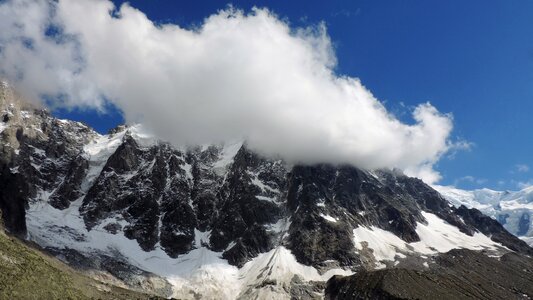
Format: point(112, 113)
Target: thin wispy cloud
point(470, 179)
point(238, 75)
point(346, 13)
point(524, 184)
point(522, 168)
point(460, 145)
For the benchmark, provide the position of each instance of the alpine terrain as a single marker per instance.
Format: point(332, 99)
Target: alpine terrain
point(27, 273)
point(513, 209)
point(222, 222)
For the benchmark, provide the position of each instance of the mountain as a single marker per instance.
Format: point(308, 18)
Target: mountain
point(217, 221)
point(513, 209)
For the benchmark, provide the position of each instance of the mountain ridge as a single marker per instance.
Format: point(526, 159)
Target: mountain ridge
point(218, 219)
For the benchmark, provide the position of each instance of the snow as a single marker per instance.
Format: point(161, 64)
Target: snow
point(282, 225)
point(264, 198)
point(373, 174)
point(480, 199)
point(437, 236)
point(257, 182)
point(515, 204)
point(188, 171)
point(2, 127)
point(25, 114)
point(97, 152)
point(141, 135)
point(227, 155)
point(279, 265)
point(39, 152)
point(510, 205)
point(443, 237)
point(384, 244)
point(329, 218)
point(201, 237)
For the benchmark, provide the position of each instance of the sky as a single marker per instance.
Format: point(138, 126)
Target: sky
point(472, 59)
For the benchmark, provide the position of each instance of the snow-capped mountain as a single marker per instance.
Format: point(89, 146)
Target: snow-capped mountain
point(513, 209)
point(216, 221)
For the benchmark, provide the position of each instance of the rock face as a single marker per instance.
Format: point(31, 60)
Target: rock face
point(182, 213)
point(458, 274)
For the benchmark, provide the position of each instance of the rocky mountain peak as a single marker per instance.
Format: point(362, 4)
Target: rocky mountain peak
point(211, 220)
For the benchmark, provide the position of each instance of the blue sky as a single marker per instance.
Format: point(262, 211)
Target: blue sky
point(470, 58)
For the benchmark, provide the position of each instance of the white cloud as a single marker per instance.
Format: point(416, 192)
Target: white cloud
point(470, 179)
point(524, 184)
point(522, 168)
point(460, 145)
point(237, 76)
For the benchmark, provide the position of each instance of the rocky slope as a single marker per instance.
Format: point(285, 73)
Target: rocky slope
point(458, 274)
point(27, 273)
point(217, 221)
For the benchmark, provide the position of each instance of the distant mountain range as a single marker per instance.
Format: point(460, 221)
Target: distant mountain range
point(513, 209)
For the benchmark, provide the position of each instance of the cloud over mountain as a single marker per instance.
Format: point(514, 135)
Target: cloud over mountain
point(236, 76)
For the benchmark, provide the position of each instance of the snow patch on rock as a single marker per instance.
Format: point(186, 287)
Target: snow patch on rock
point(437, 236)
point(329, 218)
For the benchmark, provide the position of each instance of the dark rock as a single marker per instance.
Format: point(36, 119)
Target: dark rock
point(458, 274)
point(13, 200)
point(503, 218)
point(524, 224)
point(113, 228)
point(117, 129)
point(126, 157)
point(70, 188)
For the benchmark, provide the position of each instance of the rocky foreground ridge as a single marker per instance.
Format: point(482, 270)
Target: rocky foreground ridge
point(457, 274)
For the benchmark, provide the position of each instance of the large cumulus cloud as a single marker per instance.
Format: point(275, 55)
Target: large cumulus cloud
point(236, 76)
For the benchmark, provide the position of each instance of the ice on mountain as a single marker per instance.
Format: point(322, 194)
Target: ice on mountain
point(504, 206)
point(329, 218)
point(436, 236)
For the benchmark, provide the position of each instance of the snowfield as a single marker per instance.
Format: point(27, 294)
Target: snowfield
point(437, 236)
point(201, 271)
